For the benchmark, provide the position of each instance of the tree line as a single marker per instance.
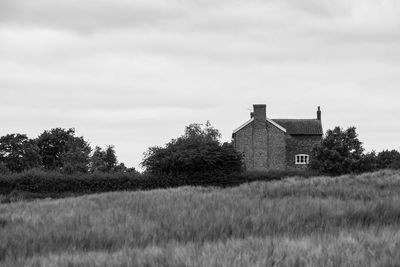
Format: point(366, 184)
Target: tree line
point(57, 163)
point(198, 152)
point(341, 152)
point(57, 149)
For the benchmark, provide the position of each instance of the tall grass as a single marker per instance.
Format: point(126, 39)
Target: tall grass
point(320, 221)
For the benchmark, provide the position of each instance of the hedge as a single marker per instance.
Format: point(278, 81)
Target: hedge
point(43, 184)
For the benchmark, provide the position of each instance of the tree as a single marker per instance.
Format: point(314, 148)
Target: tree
point(110, 158)
point(121, 168)
point(61, 150)
point(368, 162)
point(76, 157)
point(388, 159)
point(104, 160)
point(197, 151)
point(18, 152)
point(97, 160)
point(340, 152)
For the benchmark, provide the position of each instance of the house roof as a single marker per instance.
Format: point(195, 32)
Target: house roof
point(277, 125)
point(292, 126)
point(243, 125)
point(301, 126)
point(252, 119)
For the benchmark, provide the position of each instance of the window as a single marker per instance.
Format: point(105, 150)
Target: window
point(302, 159)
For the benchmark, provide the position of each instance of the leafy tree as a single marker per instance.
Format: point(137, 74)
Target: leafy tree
point(368, 162)
point(76, 157)
point(340, 152)
point(104, 160)
point(197, 151)
point(110, 158)
point(18, 153)
point(388, 159)
point(61, 150)
point(97, 160)
point(121, 168)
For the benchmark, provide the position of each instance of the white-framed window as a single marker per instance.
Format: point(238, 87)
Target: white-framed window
point(302, 159)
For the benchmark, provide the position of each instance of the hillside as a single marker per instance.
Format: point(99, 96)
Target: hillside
point(321, 221)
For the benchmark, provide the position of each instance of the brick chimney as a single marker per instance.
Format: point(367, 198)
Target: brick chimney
point(260, 138)
point(260, 112)
point(319, 113)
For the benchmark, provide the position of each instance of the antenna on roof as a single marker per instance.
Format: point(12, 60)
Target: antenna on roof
point(251, 113)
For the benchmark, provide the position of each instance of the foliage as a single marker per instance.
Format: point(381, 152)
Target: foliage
point(61, 150)
point(388, 159)
point(56, 150)
point(121, 168)
point(38, 183)
point(105, 161)
point(198, 151)
point(110, 158)
point(56, 184)
point(340, 152)
point(18, 153)
point(368, 163)
point(3, 168)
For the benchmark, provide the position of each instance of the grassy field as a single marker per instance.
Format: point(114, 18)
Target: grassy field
point(342, 221)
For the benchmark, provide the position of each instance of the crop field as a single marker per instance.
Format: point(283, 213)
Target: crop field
point(320, 221)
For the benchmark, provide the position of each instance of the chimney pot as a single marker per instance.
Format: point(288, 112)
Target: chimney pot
point(319, 113)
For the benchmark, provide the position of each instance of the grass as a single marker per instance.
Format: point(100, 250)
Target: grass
point(320, 221)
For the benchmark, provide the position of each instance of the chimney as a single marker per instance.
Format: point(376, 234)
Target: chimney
point(319, 113)
point(259, 138)
point(260, 112)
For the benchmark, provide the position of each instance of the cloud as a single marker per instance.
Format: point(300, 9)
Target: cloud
point(88, 15)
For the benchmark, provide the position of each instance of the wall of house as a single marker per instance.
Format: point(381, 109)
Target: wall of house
point(263, 146)
point(276, 148)
point(260, 147)
point(301, 144)
point(243, 142)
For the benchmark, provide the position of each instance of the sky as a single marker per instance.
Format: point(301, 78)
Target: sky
point(134, 73)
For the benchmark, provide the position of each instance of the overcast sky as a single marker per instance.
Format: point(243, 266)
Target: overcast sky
point(133, 73)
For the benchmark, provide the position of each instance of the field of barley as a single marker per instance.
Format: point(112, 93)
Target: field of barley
point(320, 221)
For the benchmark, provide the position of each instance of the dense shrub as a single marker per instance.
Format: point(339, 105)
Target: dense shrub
point(37, 183)
point(61, 150)
point(198, 151)
point(18, 153)
point(388, 159)
point(56, 150)
point(3, 168)
point(339, 153)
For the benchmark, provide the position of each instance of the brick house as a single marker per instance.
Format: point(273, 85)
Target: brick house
point(277, 144)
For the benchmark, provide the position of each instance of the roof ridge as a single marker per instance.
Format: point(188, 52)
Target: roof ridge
point(292, 126)
point(297, 119)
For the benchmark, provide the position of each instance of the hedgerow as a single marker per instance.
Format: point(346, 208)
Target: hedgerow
point(38, 183)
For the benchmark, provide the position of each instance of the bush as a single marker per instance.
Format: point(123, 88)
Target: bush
point(3, 168)
point(339, 153)
point(388, 159)
point(196, 153)
point(37, 183)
